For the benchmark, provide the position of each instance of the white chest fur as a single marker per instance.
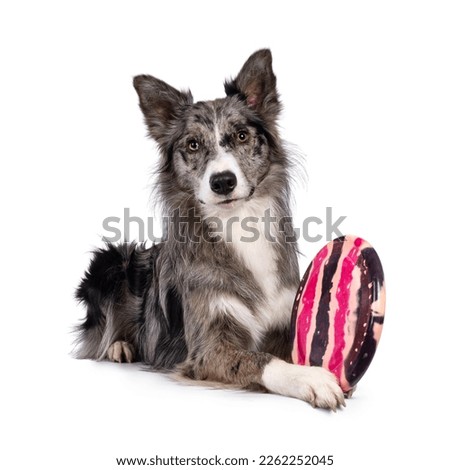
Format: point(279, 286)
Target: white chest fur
point(253, 239)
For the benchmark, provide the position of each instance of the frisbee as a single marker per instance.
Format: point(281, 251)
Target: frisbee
point(338, 313)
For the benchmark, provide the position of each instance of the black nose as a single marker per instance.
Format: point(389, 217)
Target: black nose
point(223, 183)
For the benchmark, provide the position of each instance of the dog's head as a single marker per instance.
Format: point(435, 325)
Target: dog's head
point(217, 153)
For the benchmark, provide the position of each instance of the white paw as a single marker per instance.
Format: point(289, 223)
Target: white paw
point(315, 385)
point(120, 351)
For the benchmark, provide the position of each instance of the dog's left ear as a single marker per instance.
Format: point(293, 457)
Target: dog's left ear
point(256, 83)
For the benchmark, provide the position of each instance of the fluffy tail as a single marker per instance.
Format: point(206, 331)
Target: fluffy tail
point(112, 291)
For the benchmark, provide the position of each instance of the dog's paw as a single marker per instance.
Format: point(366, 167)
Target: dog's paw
point(121, 351)
point(314, 385)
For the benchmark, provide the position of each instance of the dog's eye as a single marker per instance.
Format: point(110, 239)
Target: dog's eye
point(242, 136)
point(193, 145)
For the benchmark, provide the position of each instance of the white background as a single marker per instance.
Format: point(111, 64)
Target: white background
point(366, 94)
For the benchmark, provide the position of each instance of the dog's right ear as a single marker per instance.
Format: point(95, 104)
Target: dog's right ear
point(160, 103)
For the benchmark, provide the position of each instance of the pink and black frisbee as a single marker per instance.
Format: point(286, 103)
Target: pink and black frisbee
point(338, 312)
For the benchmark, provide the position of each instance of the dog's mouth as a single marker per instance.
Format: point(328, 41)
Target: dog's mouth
point(231, 201)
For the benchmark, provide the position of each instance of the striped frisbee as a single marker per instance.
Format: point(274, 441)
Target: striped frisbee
point(338, 312)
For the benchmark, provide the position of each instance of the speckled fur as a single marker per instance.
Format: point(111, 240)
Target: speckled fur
point(194, 303)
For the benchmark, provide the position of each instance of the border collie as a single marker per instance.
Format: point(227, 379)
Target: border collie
point(209, 302)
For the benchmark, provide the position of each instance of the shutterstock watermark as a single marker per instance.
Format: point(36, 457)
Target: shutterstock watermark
point(191, 227)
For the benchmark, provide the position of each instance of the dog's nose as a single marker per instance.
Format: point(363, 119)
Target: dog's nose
point(223, 183)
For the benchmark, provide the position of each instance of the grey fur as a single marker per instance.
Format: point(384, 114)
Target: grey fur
point(200, 305)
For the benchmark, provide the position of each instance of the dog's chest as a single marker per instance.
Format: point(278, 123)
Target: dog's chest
point(258, 256)
point(253, 241)
point(252, 236)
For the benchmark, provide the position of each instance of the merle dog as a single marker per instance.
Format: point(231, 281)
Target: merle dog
point(209, 302)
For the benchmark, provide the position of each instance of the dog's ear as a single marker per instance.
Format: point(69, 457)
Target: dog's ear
point(256, 83)
point(160, 103)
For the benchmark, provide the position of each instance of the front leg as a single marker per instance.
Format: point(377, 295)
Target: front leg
point(218, 353)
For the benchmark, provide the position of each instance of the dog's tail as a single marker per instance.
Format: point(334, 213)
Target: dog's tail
point(112, 290)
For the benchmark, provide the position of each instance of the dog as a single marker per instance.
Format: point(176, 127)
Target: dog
point(210, 306)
